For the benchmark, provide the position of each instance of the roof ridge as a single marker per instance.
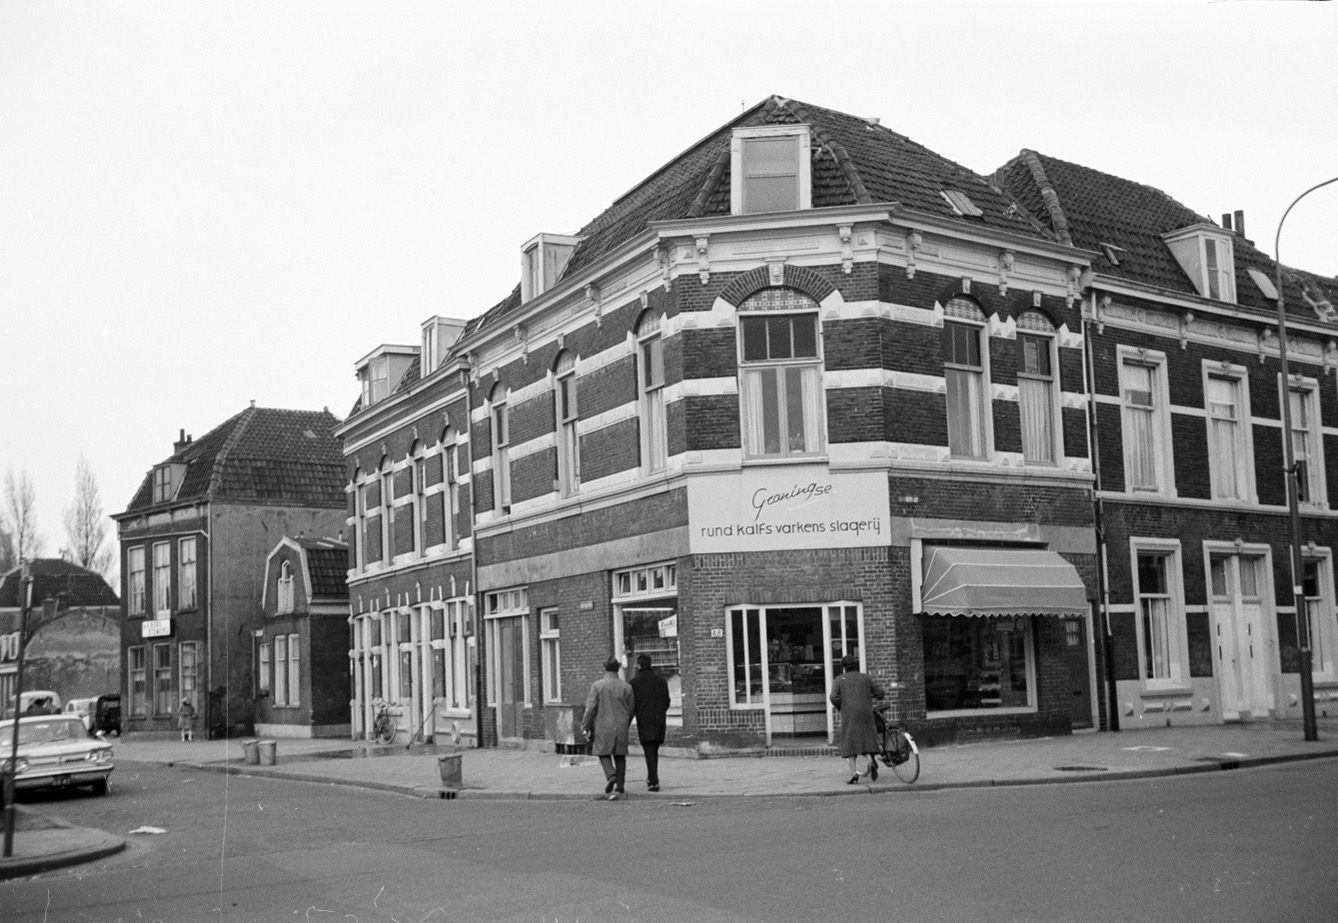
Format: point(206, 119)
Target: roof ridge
point(848, 168)
point(1049, 195)
point(220, 458)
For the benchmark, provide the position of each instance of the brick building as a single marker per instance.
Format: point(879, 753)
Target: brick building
point(194, 540)
point(807, 390)
point(1183, 339)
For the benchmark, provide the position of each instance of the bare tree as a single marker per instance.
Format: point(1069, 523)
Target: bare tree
point(20, 516)
point(7, 560)
point(86, 524)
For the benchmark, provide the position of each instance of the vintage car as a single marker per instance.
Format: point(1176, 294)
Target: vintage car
point(55, 751)
point(83, 709)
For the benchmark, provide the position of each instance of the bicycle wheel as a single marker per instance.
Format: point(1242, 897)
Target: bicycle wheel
point(908, 770)
point(385, 730)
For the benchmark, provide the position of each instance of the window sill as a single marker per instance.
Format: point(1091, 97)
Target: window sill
point(980, 712)
point(760, 460)
point(1153, 692)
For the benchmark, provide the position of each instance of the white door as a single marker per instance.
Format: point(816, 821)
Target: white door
point(749, 664)
point(1240, 635)
point(841, 635)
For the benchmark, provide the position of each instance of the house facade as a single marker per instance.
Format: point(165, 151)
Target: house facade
point(194, 541)
point(809, 390)
point(302, 665)
point(1185, 373)
point(73, 628)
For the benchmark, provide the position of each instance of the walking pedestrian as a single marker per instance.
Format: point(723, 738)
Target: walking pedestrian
point(651, 691)
point(186, 720)
point(608, 715)
point(853, 694)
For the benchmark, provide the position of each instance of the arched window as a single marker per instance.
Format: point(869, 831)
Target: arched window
point(964, 356)
point(650, 390)
point(285, 596)
point(500, 417)
point(780, 374)
point(567, 416)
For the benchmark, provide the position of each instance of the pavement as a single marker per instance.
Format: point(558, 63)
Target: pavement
point(42, 842)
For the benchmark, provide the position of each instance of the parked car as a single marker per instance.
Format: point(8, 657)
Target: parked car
point(107, 715)
point(55, 751)
point(39, 701)
point(83, 708)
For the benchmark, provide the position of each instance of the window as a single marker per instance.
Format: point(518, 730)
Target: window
point(162, 484)
point(978, 663)
point(1217, 265)
point(285, 598)
point(645, 606)
point(263, 673)
point(507, 618)
point(550, 663)
point(1159, 630)
point(1204, 252)
point(1036, 389)
point(568, 439)
point(964, 371)
point(1307, 451)
point(650, 386)
point(188, 652)
point(1144, 406)
point(163, 703)
point(1228, 435)
point(780, 375)
point(1319, 609)
point(294, 653)
point(370, 503)
point(460, 618)
point(135, 580)
point(280, 669)
point(162, 579)
point(501, 454)
point(452, 460)
point(186, 574)
point(139, 696)
point(771, 169)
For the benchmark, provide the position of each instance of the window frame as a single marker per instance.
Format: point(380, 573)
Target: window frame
point(1321, 615)
point(163, 674)
point(162, 580)
point(550, 654)
point(740, 196)
point(654, 428)
point(1050, 383)
point(1175, 634)
point(135, 581)
point(1243, 443)
point(982, 428)
point(1313, 492)
point(756, 375)
point(499, 417)
point(137, 680)
point(188, 671)
point(1159, 417)
point(187, 574)
point(566, 425)
point(284, 600)
point(512, 602)
point(294, 676)
point(279, 685)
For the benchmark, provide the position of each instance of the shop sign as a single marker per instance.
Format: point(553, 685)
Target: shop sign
point(781, 507)
point(669, 627)
point(157, 628)
point(9, 647)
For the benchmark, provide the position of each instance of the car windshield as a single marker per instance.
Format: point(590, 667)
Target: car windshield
point(43, 731)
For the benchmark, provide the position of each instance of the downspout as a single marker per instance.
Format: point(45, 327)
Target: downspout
point(209, 622)
point(1098, 511)
point(473, 592)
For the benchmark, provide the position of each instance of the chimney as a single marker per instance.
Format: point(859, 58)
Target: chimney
point(181, 442)
point(1226, 221)
point(1240, 224)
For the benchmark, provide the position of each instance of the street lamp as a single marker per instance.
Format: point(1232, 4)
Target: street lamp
point(1293, 488)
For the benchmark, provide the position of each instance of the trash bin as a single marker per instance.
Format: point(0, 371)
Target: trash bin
point(251, 751)
point(451, 770)
point(268, 752)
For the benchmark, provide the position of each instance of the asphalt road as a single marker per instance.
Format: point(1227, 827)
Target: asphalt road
point(1249, 845)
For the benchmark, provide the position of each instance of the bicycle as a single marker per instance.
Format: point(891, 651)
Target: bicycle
point(383, 727)
point(897, 747)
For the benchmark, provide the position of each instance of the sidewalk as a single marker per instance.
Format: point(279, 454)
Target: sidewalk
point(521, 774)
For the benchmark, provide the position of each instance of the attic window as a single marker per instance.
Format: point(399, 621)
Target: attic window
point(165, 481)
point(771, 170)
point(1265, 284)
point(1112, 253)
point(961, 203)
point(1205, 253)
point(542, 260)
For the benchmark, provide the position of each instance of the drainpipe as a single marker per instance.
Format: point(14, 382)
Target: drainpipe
point(209, 623)
point(1102, 571)
point(473, 592)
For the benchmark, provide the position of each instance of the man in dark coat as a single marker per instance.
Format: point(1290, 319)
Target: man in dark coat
point(652, 704)
point(608, 714)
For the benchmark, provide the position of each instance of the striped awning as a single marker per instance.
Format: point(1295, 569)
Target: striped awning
point(1003, 582)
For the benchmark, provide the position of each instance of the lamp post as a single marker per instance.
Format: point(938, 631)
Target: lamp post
point(1293, 490)
point(11, 777)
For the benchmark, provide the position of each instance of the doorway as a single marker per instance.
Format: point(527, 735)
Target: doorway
point(1240, 639)
point(508, 635)
point(1080, 676)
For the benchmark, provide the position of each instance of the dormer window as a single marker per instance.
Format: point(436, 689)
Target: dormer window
point(166, 480)
point(285, 600)
point(542, 260)
point(1205, 253)
point(439, 335)
point(771, 170)
point(381, 370)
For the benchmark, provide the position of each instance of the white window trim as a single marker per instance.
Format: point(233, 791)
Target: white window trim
point(165, 609)
point(566, 435)
point(550, 638)
point(284, 601)
point(511, 603)
point(986, 391)
point(1156, 360)
point(1244, 420)
point(651, 397)
point(185, 567)
point(1056, 403)
point(501, 454)
point(801, 132)
point(1328, 621)
point(819, 366)
point(137, 602)
point(1178, 657)
point(1318, 492)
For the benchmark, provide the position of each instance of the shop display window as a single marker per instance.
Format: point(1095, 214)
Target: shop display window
point(977, 663)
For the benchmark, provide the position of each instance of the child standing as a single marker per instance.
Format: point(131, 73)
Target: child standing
point(186, 720)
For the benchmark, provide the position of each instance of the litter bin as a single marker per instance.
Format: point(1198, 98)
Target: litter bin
point(268, 752)
point(451, 770)
point(251, 751)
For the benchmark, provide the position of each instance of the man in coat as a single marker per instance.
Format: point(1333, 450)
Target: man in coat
point(608, 713)
point(651, 691)
point(853, 694)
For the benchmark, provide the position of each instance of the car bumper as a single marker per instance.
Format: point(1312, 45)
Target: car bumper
point(62, 778)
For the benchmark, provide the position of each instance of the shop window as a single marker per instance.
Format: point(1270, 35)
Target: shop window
point(780, 375)
point(186, 574)
point(645, 606)
point(135, 580)
point(650, 383)
point(139, 697)
point(974, 663)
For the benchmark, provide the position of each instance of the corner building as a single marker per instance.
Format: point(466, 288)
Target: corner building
point(808, 390)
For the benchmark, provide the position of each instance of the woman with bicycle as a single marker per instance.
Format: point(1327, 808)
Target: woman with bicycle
point(853, 694)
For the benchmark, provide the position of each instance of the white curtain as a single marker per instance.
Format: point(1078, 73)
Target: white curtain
point(1038, 432)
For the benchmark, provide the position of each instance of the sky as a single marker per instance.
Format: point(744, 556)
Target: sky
point(208, 204)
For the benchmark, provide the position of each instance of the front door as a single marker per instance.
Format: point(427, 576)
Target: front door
point(1080, 677)
point(511, 679)
point(1239, 636)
